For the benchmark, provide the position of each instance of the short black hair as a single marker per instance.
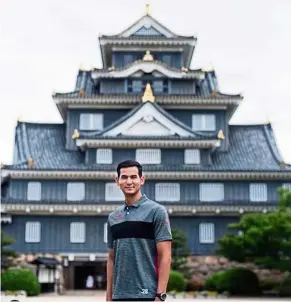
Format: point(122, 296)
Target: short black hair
point(129, 163)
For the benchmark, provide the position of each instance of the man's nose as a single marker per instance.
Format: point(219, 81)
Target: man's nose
point(129, 180)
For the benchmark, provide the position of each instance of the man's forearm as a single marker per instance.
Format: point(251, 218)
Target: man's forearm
point(109, 280)
point(163, 273)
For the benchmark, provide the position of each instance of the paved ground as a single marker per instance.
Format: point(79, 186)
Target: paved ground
point(100, 296)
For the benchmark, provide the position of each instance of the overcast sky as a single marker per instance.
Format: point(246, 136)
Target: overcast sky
point(44, 42)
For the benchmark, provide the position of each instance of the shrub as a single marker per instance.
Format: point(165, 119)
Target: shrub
point(239, 282)
point(194, 285)
point(212, 283)
point(20, 279)
point(269, 285)
point(285, 287)
point(176, 282)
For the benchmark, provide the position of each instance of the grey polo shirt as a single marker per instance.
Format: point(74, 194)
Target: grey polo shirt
point(133, 233)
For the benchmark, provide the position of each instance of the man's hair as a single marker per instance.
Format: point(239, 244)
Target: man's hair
point(129, 163)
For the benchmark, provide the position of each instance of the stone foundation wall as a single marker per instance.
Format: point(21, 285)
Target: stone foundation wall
point(202, 267)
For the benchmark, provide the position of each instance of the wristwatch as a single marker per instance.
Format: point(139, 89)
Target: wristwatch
point(162, 296)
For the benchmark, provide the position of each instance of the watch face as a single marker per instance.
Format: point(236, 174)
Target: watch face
point(163, 297)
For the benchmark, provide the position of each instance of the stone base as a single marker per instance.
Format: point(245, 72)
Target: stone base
point(202, 267)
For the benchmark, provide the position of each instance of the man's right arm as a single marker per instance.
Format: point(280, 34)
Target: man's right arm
point(110, 262)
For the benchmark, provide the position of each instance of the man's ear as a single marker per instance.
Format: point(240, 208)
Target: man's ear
point(116, 180)
point(142, 180)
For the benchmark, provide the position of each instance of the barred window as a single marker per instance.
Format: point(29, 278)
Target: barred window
point(287, 186)
point(203, 122)
point(75, 191)
point(167, 192)
point(211, 192)
point(105, 233)
point(34, 191)
point(32, 232)
point(258, 192)
point(77, 232)
point(206, 233)
point(104, 156)
point(91, 121)
point(148, 156)
point(192, 156)
point(113, 192)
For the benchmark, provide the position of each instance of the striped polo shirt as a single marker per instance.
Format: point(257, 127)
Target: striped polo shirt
point(133, 232)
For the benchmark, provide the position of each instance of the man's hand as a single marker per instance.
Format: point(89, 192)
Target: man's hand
point(109, 275)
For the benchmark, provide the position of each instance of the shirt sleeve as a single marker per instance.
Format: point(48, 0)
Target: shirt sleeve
point(109, 236)
point(162, 225)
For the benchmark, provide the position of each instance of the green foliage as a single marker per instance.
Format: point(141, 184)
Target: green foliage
point(211, 284)
point(238, 282)
point(176, 282)
point(285, 287)
point(20, 279)
point(180, 252)
point(7, 255)
point(266, 238)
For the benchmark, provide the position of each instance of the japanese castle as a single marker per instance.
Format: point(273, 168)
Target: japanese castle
point(146, 104)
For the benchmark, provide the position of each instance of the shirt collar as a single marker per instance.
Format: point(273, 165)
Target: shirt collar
point(137, 203)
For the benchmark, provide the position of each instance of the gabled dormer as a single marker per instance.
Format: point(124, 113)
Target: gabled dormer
point(147, 33)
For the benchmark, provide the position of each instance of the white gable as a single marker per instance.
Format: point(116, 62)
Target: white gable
point(148, 121)
point(147, 126)
point(147, 22)
point(147, 31)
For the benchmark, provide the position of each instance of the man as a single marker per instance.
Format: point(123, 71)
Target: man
point(139, 241)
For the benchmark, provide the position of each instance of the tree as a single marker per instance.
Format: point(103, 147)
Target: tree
point(7, 255)
point(180, 252)
point(265, 239)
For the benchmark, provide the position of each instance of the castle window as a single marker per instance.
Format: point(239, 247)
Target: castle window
point(105, 232)
point(148, 156)
point(258, 192)
point(75, 191)
point(34, 191)
point(104, 156)
point(77, 232)
point(113, 192)
point(286, 186)
point(91, 121)
point(206, 233)
point(211, 192)
point(167, 192)
point(203, 122)
point(192, 156)
point(32, 232)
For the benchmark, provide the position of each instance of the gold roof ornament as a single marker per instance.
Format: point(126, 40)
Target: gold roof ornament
point(268, 121)
point(147, 9)
point(220, 134)
point(214, 93)
point(184, 69)
point(81, 92)
point(148, 94)
point(148, 56)
point(30, 163)
point(1, 165)
point(19, 119)
point(282, 165)
point(76, 134)
point(111, 68)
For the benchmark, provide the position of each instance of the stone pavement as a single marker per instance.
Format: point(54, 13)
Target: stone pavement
point(80, 296)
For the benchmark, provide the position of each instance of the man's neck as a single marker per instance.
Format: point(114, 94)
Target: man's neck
point(131, 199)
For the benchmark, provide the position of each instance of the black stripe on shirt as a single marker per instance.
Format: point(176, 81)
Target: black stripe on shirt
point(133, 229)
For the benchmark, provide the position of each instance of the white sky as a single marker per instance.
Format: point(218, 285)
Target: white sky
point(43, 43)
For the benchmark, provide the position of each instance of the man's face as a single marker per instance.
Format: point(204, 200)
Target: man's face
point(129, 181)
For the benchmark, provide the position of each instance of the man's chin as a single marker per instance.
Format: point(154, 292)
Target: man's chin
point(130, 192)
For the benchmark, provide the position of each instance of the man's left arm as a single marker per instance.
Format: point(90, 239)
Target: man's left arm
point(163, 237)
